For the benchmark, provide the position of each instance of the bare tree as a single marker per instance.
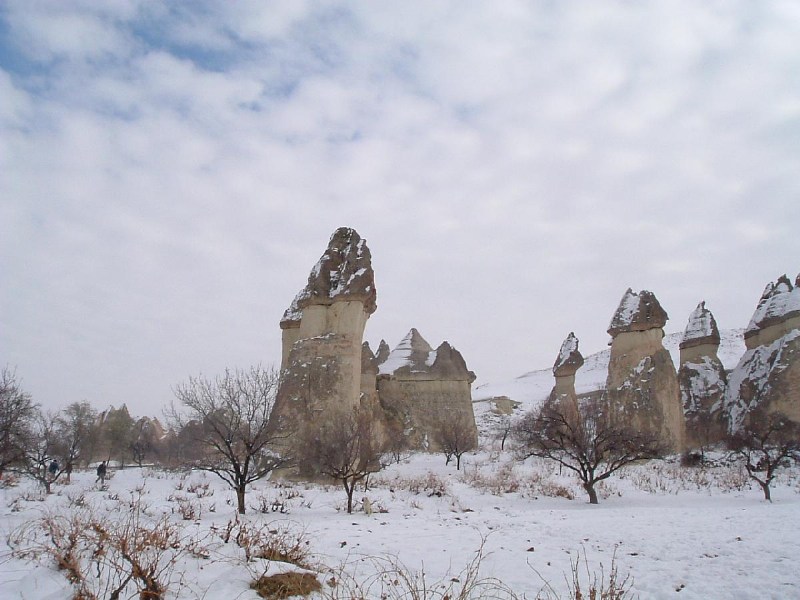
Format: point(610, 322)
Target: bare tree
point(16, 412)
point(228, 417)
point(42, 460)
point(764, 445)
point(342, 445)
point(455, 436)
point(587, 444)
point(76, 429)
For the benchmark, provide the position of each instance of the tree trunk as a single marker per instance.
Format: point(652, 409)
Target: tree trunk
point(589, 487)
point(240, 499)
point(765, 489)
point(349, 489)
point(458, 462)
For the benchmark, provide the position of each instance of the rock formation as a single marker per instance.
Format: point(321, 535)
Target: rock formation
point(767, 378)
point(567, 364)
point(421, 387)
point(322, 333)
point(642, 385)
point(702, 380)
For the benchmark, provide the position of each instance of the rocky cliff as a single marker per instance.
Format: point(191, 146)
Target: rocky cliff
point(567, 363)
point(767, 378)
point(702, 380)
point(642, 385)
point(422, 387)
point(322, 333)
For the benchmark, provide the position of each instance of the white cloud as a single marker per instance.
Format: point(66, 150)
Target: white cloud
point(175, 171)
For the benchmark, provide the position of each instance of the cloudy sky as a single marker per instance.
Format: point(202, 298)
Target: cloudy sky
point(170, 172)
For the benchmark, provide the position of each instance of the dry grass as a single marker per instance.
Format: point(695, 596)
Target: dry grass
point(286, 585)
point(596, 586)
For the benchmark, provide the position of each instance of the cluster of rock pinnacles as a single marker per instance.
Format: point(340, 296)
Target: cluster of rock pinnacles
point(702, 402)
point(327, 366)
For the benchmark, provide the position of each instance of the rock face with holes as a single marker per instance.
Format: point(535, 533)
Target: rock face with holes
point(322, 333)
point(642, 385)
point(767, 378)
point(419, 387)
point(702, 380)
point(567, 363)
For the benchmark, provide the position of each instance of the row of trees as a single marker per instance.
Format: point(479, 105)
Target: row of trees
point(585, 439)
point(222, 425)
point(50, 445)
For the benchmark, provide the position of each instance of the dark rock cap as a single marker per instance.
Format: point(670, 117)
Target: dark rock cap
point(779, 301)
point(701, 329)
point(383, 352)
point(569, 357)
point(369, 366)
point(413, 355)
point(637, 312)
point(344, 272)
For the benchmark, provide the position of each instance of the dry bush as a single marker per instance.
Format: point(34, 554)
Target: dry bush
point(672, 478)
point(502, 480)
point(269, 541)
point(286, 585)
point(597, 587)
point(430, 484)
point(390, 579)
point(544, 484)
point(102, 555)
point(201, 490)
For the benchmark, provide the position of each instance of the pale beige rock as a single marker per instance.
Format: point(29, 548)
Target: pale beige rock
point(767, 378)
point(420, 387)
point(322, 334)
point(702, 381)
point(567, 363)
point(642, 385)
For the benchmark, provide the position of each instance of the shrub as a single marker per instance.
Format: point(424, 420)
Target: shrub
point(285, 585)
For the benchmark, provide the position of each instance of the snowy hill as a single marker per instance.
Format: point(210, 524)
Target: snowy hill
point(532, 388)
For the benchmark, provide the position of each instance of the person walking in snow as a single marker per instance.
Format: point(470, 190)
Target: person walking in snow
point(53, 468)
point(101, 473)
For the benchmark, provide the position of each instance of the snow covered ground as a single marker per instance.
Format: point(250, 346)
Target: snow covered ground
point(678, 533)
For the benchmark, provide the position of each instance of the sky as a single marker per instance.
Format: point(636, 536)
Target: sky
point(170, 173)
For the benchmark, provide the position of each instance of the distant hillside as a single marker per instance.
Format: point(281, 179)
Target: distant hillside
point(532, 388)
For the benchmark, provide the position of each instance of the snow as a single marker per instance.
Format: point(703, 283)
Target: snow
point(700, 532)
point(778, 300)
point(628, 307)
point(531, 389)
point(401, 356)
point(756, 366)
point(701, 324)
point(568, 347)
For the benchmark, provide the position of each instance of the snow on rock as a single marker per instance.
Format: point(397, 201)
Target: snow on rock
point(532, 388)
point(637, 312)
point(343, 272)
point(701, 329)
point(413, 352)
point(780, 301)
point(569, 357)
point(414, 355)
point(765, 375)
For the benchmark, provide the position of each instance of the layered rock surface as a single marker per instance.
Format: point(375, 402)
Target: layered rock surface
point(702, 380)
point(767, 378)
point(642, 384)
point(567, 363)
point(422, 387)
point(322, 333)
